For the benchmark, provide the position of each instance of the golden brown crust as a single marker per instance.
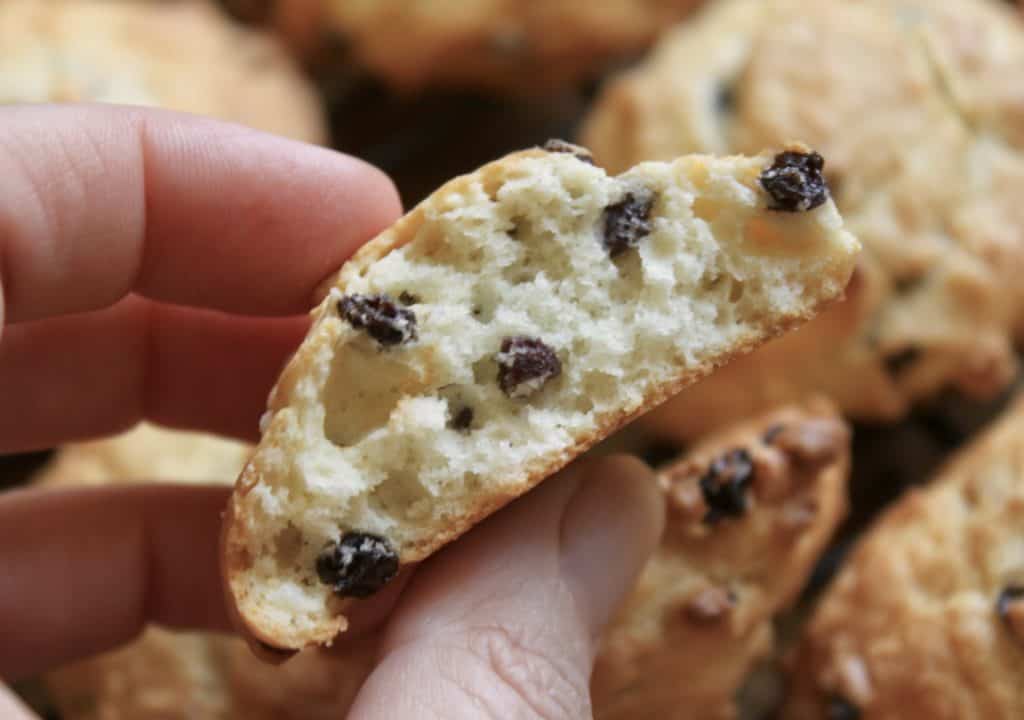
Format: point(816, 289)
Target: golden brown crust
point(938, 305)
point(526, 46)
point(261, 630)
point(701, 613)
point(911, 627)
point(283, 432)
point(130, 52)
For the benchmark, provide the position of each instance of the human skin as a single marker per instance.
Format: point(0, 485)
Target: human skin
point(157, 266)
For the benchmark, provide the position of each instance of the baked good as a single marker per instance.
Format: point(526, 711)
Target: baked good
point(749, 511)
point(182, 56)
point(516, 317)
point(167, 675)
point(796, 497)
point(915, 105)
point(926, 619)
point(703, 607)
point(162, 675)
point(147, 453)
point(526, 45)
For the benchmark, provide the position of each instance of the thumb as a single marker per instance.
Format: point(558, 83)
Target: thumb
point(505, 622)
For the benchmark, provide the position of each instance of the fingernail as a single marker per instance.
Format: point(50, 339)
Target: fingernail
point(609, 529)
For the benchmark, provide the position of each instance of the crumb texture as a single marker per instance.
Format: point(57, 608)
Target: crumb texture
point(521, 312)
point(936, 305)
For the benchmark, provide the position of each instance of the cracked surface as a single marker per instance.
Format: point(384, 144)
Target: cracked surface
point(129, 52)
point(911, 627)
point(701, 613)
point(523, 45)
point(917, 108)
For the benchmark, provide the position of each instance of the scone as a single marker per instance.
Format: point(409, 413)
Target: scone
point(520, 45)
point(749, 511)
point(513, 319)
point(147, 453)
point(916, 106)
point(182, 56)
point(926, 620)
point(162, 675)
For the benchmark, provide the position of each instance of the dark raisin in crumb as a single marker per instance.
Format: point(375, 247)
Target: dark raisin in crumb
point(358, 566)
point(725, 99)
point(378, 315)
point(524, 365)
point(561, 146)
point(627, 222)
point(771, 433)
point(795, 182)
point(407, 298)
point(839, 708)
point(1008, 598)
point(725, 484)
point(463, 419)
point(898, 362)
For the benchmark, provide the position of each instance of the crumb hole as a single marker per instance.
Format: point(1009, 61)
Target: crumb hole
point(363, 389)
point(288, 546)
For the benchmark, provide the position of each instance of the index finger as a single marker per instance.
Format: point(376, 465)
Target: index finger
point(86, 568)
point(100, 201)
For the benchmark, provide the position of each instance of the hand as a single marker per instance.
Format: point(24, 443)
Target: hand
point(151, 265)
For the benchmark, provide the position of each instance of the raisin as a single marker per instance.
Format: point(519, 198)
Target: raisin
point(378, 315)
point(524, 365)
point(561, 146)
point(463, 419)
point(898, 362)
point(725, 485)
point(627, 222)
point(358, 566)
point(839, 708)
point(407, 298)
point(795, 182)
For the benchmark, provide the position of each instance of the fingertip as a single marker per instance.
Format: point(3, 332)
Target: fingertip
point(609, 530)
